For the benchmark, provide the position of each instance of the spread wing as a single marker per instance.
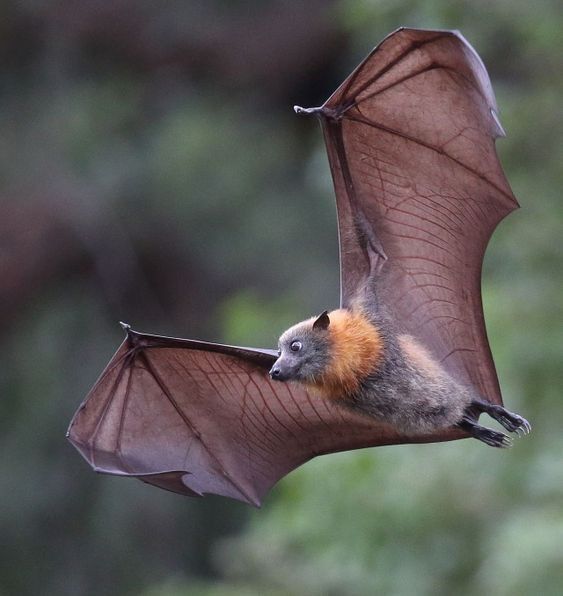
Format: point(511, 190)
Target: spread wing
point(410, 137)
point(195, 418)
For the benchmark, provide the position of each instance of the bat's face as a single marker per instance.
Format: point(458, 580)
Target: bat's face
point(304, 353)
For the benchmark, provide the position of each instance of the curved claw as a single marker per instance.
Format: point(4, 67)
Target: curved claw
point(523, 428)
point(506, 442)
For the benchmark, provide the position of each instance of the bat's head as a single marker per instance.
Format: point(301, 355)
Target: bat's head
point(330, 354)
point(304, 351)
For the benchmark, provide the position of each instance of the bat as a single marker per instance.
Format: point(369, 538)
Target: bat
point(410, 136)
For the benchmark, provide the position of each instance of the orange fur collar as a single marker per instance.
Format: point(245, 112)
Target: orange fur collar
point(356, 350)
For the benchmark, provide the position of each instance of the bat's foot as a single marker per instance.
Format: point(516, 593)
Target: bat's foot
point(486, 435)
point(513, 423)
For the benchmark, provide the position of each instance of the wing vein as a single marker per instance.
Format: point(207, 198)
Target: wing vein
point(411, 139)
point(160, 382)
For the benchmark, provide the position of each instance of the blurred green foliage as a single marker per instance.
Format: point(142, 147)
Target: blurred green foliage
point(195, 204)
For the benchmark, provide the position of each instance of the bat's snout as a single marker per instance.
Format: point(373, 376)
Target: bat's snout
point(277, 373)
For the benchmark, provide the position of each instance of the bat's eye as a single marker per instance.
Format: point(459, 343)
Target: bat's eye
point(295, 346)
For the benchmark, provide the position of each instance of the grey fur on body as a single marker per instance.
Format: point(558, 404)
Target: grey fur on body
point(398, 391)
point(407, 397)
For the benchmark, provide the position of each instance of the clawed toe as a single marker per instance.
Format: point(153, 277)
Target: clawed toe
point(506, 442)
point(494, 438)
point(519, 425)
point(499, 440)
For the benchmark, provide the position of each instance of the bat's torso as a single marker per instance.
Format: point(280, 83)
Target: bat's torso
point(410, 390)
point(404, 385)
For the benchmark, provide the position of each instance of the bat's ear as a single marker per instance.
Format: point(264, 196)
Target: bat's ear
point(322, 321)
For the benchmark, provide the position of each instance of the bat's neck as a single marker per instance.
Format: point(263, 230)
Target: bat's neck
point(356, 350)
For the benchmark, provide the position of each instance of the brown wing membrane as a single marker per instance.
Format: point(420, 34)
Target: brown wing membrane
point(197, 418)
point(410, 137)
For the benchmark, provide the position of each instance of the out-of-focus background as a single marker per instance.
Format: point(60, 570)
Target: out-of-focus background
point(153, 171)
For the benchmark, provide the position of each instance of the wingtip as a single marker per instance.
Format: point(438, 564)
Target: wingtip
point(255, 497)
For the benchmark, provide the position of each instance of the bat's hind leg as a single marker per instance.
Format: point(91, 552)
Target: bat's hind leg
point(512, 422)
point(487, 435)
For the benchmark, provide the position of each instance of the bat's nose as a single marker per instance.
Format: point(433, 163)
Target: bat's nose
point(275, 372)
